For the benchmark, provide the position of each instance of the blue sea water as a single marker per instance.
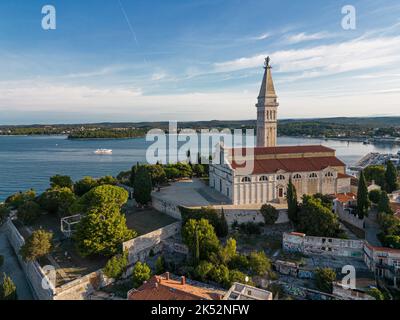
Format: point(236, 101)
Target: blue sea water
point(29, 161)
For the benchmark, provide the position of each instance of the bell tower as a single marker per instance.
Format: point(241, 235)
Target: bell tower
point(267, 107)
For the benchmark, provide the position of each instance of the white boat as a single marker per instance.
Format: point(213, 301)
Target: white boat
point(103, 151)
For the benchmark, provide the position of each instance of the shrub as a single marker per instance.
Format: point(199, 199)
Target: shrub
point(240, 262)
point(270, 214)
point(37, 245)
point(259, 263)
point(116, 266)
point(84, 185)
point(29, 212)
point(376, 293)
point(238, 276)
point(59, 181)
point(141, 273)
point(220, 275)
point(324, 278)
point(8, 290)
point(203, 269)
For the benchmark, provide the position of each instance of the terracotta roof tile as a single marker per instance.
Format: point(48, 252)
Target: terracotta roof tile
point(291, 165)
point(161, 288)
point(287, 149)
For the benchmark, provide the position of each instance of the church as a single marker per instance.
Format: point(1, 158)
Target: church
point(312, 168)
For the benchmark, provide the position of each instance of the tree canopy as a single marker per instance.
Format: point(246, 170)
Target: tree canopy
point(38, 244)
point(362, 197)
point(142, 185)
point(59, 181)
point(270, 214)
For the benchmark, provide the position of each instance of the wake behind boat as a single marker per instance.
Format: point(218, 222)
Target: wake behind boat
point(103, 151)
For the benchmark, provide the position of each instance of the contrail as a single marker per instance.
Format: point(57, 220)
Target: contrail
point(128, 22)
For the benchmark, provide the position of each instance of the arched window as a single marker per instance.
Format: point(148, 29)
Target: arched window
point(313, 175)
point(246, 179)
point(329, 174)
point(297, 176)
point(263, 178)
point(280, 177)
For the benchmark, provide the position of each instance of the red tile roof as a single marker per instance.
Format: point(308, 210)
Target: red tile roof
point(344, 175)
point(287, 149)
point(345, 197)
point(165, 288)
point(291, 164)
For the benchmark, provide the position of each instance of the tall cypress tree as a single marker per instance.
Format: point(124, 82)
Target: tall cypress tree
point(293, 206)
point(391, 177)
point(223, 225)
point(384, 203)
point(142, 186)
point(197, 253)
point(362, 197)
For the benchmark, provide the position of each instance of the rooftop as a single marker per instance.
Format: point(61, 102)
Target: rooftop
point(241, 291)
point(170, 287)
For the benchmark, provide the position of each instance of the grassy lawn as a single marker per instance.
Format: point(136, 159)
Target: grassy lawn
point(146, 220)
point(246, 243)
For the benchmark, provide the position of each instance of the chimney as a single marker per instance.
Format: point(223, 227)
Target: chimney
point(183, 280)
point(167, 275)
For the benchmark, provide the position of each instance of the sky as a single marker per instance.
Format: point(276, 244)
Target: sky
point(153, 60)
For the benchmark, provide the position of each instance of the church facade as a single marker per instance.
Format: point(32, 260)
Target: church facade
point(312, 168)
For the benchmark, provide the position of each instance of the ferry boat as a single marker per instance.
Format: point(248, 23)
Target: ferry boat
point(103, 151)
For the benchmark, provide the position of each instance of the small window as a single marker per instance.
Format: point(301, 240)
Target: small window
point(329, 174)
point(246, 179)
point(313, 175)
point(297, 177)
point(264, 178)
point(280, 177)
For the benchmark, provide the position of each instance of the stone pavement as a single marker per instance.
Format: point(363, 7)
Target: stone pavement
point(12, 268)
point(372, 229)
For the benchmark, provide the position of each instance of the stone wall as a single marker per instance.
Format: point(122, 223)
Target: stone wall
point(139, 248)
point(243, 215)
point(168, 207)
point(33, 272)
point(298, 242)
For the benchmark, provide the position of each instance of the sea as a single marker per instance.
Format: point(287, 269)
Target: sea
point(29, 161)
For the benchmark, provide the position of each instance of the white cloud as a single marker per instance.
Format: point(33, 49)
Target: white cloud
point(302, 37)
point(311, 62)
point(158, 76)
point(261, 36)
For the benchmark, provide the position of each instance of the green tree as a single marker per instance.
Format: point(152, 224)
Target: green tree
point(18, 199)
point(362, 197)
point(157, 174)
point(270, 214)
point(116, 266)
point(29, 212)
point(142, 186)
point(203, 270)
point(8, 290)
point(220, 275)
point(105, 196)
point(317, 220)
point(324, 278)
point(102, 232)
point(160, 265)
point(207, 239)
point(57, 201)
point(228, 251)
point(259, 263)
point(84, 185)
point(222, 228)
point(103, 228)
point(59, 181)
point(391, 177)
point(384, 203)
point(293, 206)
point(374, 196)
point(38, 244)
point(375, 173)
point(141, 273)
